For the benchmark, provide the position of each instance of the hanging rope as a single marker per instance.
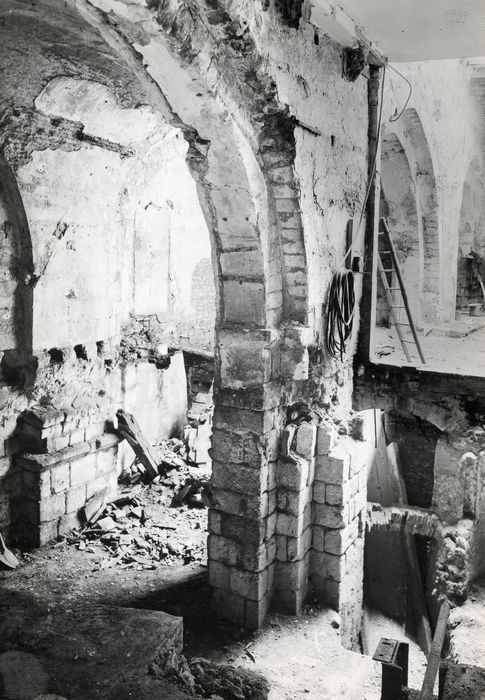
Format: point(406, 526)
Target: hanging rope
point(340, 313)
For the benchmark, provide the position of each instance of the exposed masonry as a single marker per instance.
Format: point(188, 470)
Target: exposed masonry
point(68, 459)
point(251, 97)
point(28, 130)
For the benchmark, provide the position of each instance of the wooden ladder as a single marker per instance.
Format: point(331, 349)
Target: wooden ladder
point(393, 268)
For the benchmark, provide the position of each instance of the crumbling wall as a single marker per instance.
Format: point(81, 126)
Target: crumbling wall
point(86, 159)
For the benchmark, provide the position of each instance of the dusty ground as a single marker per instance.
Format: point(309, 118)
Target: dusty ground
point(300, 658)
point(454, 355)
point(467, 628)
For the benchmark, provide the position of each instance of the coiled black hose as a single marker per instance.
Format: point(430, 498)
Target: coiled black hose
point(340, 314)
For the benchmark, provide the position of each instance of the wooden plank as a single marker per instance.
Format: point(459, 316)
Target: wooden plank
point(434, 657)
point(411, 555)
point(129, 429)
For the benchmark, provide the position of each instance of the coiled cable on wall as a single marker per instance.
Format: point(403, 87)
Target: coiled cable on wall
point(340, 313)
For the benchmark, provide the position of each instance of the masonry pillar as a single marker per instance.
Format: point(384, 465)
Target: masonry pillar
point(339, 509)
point(242, 521)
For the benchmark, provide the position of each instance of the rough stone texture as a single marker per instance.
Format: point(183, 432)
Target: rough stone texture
point(83, 650)
point(56, 479)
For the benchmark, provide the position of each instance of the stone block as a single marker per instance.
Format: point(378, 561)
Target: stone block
point(319, 491)
point(49, 508)
point(42, 416)
point(298, 547)
point(219, 575)
point(292, 473)
point(83, 469)
point(96, 486)
point(232, 607)
point(332, 470)
point(45, 533)
point(292, 502)
point(75, 498)
point(243, 530)
point(36, 486)
point(39, 432)
point(324, 440)
point(68, 522)
point(306, 438)
point(238, 477)
point(77, 435)
point(318, 538)
point(330, 516)
point(290, 602)
point(338, 494)
point(292, 575)
point(256, 612)
point(281, 548)
point(328, 565)
point(256, 558)
point(214, 522)
point(338, 541)
point(106, 460)
point(242, 263)
point(94, 430)
point(223, 549)
point(60, 476)
point(249, 585)
point(243, 505)
point(290, 525)
point(243, 302)
point(270, 525)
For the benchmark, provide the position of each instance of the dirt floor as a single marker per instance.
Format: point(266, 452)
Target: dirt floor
point(154, 559)
point(147, 551)
point(462, 354)
point(467, 628)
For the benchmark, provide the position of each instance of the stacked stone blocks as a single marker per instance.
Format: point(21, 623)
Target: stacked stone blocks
point(70, 459)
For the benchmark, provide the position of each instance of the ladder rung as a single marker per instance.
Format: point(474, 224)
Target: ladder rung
point(400, 323)
point(390, 269)
point(394, 289)
point(384, 252)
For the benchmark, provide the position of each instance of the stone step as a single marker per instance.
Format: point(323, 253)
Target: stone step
point(84, 652)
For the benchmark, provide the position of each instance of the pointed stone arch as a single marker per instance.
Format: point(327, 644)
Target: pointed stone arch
point(410, 132)
point(17, 268)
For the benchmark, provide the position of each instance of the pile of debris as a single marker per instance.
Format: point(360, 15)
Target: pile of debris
point(158, 519)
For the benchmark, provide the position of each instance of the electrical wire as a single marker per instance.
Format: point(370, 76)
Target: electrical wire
point(341, 298)
point(397, 116)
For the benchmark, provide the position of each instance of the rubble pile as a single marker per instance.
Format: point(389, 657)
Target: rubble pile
point(160, 523)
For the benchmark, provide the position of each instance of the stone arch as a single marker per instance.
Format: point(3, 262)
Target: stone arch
point(419, 156)
point(471, 237)
point(16, 270)
point(398, 204)
point(241, 152)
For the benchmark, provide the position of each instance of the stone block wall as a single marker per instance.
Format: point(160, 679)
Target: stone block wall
point(69, 460)
point(322, 498)
point(288, 525)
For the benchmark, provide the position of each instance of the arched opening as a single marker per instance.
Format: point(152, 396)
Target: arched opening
point(471, 241)
point(108, 222)
point(419, 156)
point(398, 205)
point(16, 281)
